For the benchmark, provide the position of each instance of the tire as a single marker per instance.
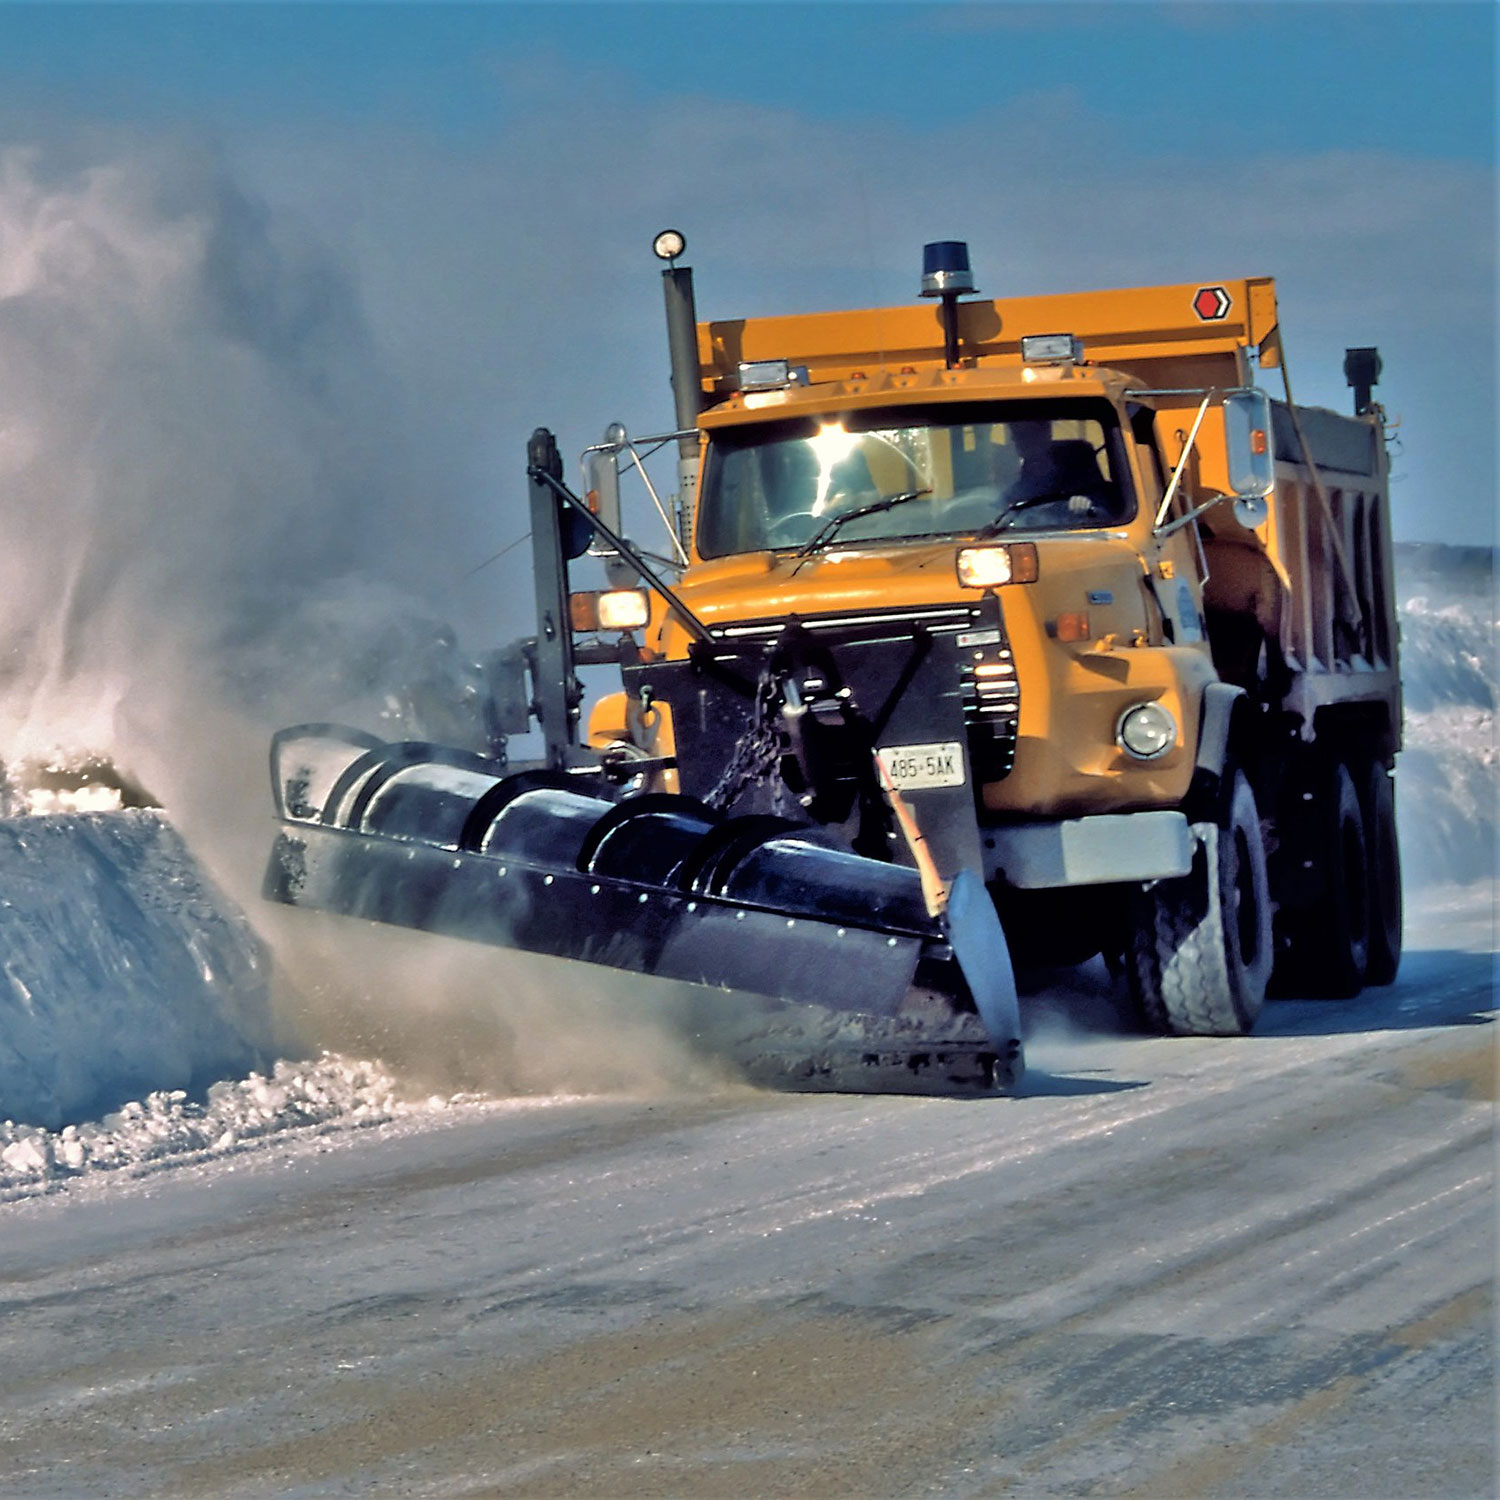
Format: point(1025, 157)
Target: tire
point(1199, 951)
point(1383, 855)
point(1326, 953)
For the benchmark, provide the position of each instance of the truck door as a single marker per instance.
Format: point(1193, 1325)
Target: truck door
point(1175, 563)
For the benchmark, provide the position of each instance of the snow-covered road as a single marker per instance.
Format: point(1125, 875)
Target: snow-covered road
point(1177, 1267)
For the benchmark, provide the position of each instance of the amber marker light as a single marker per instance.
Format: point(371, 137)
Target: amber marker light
point(583, 612)
point(1072, 625)
point(1023, 562)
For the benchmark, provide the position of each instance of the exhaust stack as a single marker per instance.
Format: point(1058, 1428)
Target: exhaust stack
point(682, 349)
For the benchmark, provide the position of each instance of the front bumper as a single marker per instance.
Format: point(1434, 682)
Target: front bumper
point(1106, 849)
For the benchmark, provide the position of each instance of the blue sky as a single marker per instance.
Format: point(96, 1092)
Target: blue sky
point(479, 184)
point(1411, 78)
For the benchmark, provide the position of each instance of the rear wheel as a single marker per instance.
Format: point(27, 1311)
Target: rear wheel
point(1199, 951)
point(1383, 857)
point(1326, 953)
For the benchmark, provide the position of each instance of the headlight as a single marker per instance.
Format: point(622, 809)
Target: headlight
point(987, 567)
point(1146, 731)
point(614, 609)
point(624, 609)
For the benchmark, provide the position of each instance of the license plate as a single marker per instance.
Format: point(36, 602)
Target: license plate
point(911, 767)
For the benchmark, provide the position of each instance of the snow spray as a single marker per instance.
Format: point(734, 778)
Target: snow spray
point(215, 526)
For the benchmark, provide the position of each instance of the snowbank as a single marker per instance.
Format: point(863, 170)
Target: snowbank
point(1448, 790)
point(122, 970)
point(303, 1099)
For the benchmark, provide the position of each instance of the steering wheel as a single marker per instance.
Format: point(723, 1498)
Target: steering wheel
point(1016, 506)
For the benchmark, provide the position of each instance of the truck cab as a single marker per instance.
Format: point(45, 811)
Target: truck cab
point(977, 492)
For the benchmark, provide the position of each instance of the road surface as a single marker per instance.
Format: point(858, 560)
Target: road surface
point(1174, 1267)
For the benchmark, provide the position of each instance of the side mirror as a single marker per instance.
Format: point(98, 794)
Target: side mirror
point(601, 479)
point(1248, 448)
point(573, 530)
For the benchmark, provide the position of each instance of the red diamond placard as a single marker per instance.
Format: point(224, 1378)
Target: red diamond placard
point(1212, 303)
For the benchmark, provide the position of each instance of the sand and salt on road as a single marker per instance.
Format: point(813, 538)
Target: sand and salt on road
point(1177, 1267)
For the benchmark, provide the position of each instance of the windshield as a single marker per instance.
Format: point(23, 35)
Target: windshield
point(1030, 465)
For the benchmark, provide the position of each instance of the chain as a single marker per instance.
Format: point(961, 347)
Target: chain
point(757, 756)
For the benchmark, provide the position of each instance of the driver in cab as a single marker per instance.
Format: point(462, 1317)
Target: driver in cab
point(1063, 472)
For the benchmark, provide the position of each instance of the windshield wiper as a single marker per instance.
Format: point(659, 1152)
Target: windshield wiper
point(991, 528)
point(830, 528)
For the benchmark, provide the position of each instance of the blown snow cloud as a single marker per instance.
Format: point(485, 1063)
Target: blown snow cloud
point(190, 434)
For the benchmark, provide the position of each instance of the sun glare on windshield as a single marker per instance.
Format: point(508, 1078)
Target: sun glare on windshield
point(831, 445)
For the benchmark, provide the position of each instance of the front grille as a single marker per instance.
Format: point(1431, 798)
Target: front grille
point(991, 693)
point(992, 705)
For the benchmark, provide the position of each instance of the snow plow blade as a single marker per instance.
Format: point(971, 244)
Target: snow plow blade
point(659, 884)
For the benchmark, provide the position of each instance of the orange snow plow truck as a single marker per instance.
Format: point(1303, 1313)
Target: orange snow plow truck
point(977, 633)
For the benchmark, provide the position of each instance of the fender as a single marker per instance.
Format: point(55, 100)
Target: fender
point(1220, 701)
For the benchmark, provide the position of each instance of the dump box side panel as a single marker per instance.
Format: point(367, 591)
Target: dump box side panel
point(1318, 574)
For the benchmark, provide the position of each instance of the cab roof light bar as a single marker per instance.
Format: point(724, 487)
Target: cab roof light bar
point(769, 375)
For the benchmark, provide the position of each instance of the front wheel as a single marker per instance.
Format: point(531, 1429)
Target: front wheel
point(1199, 952)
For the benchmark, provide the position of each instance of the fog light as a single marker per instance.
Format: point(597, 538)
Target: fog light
point(1146, 731)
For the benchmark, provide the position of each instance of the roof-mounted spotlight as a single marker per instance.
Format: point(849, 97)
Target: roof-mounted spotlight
point(1051, 349)
point(669, 244)
point(946, 274)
